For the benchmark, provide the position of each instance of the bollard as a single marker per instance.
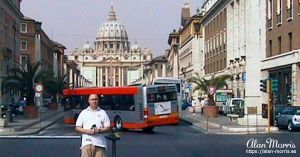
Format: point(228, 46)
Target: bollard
point(9, 114)
point(114, 136)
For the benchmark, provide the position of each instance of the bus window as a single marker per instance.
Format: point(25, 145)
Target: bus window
point(167, 96)
point(117, 102)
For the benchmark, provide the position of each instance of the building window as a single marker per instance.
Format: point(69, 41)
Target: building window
point(134, 58)
point(279, 45)
point(24, 60)
point(269, 14)
point(23, 27)
point(145, 57)
point(111, 46)
point(270, 48)
point(289, 7)
point(278, 11)
point(290, 41)
point(24, 45)
point(299, 7)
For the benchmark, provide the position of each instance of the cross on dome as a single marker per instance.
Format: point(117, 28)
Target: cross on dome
point(112, 14)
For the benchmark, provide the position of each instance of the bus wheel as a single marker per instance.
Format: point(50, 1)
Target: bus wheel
point(118, 123)
point(149, 129)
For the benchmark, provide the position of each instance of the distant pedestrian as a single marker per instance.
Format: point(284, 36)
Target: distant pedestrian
point(92, 122)
point(194, 104)
point(21, 106)
point(203, 103)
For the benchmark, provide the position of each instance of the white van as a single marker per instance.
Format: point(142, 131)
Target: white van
point(233, 106)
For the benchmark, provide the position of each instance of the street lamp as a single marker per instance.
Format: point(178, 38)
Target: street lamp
point(183, 70)
point(14, 27)
point(38, 29)
point(197, 26)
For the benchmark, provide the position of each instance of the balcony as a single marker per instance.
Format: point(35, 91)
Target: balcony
point(269, 23)
point(289, 13)
point(279, 19)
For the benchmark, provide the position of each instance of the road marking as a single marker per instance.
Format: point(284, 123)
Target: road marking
point(66, 137)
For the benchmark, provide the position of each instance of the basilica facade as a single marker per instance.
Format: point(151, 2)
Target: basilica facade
point(113, 61)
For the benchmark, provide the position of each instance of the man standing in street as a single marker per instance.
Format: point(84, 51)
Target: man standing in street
point(92, 122)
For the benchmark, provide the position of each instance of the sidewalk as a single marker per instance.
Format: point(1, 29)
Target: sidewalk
point(221, 125)
point(24, 126)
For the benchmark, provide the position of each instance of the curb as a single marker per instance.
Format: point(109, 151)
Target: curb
point(34, 122)
point(228, 130)
point(33, 128)
point(56, 119)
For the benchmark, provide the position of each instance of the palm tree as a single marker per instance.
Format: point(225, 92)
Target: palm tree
point(22, 78)
point(56, 86)
point(203, 84)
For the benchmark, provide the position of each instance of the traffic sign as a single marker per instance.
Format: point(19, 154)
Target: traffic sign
point(39, 88)
point(274, 85)
point(211, 90)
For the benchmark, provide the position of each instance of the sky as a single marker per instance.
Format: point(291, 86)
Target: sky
point(74, 22)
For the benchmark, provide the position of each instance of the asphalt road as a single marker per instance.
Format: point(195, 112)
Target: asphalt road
point(168, 141)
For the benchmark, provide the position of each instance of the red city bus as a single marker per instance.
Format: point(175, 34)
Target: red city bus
point(130, 107)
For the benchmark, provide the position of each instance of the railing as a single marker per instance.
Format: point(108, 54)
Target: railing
point(269, 23)
point(279, 18)
point(289, 13)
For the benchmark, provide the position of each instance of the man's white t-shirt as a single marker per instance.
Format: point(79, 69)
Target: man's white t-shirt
point(86, 119)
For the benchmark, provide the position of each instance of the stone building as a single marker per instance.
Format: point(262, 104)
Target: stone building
point(10, 19)
point(113, 62)
point(37, 46)
point(155, 68)
point(280, 62)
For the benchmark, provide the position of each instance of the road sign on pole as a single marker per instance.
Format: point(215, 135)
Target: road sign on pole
point(274, 85)
point(39, 88)
point(211, 90)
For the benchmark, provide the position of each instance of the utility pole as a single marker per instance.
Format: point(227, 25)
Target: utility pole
point(269, 103)
point(266, 87)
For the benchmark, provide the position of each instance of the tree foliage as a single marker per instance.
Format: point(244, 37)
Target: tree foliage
point(203, 84)
point(23, 78)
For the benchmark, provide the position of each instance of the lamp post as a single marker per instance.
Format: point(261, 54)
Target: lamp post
point(183, 70)
point(38, 97)
point(14, 27)
point(38, 28)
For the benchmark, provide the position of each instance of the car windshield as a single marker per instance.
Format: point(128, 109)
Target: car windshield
point(297, 111)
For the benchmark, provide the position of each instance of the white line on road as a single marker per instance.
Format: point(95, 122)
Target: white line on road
point(67, 137)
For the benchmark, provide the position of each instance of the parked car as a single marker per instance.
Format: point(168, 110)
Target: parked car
point(46, 102)
point(234, 106)
point(288, 118)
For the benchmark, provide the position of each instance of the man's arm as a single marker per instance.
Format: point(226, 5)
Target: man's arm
point(85, 131)
point(103, 130)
